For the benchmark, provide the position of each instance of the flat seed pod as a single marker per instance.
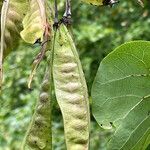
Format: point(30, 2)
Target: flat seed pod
point(34, 22)
point(12, 14)
point(39, 133)
point(71, 91)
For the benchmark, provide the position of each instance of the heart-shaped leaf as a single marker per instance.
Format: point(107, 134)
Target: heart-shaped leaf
point(121, 95)
point(34, 22)
point(12, 14)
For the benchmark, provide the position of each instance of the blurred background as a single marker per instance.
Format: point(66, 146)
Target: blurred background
point(97, 31)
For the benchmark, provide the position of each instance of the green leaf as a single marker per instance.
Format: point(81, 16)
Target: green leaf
point(121, 95)
point(12, 14)
point(143, 142)
point(34, 22)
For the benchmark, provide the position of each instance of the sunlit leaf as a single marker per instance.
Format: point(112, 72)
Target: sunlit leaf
point(34, 22)
point(121, 95)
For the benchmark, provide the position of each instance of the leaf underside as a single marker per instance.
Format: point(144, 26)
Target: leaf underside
point(121, 95)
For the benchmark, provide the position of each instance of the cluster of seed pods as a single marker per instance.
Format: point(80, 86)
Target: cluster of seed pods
point(71, 91)
point(38, 136)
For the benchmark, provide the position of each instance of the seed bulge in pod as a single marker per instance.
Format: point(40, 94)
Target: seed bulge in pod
point(45, 85)
point(44, 97)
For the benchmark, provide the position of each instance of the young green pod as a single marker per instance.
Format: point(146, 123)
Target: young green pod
point(71, 91)
point(39, 133)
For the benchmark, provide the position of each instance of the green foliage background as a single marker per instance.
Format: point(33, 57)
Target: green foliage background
point(97, 31)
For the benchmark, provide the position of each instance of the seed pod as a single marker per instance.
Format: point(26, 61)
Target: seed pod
point(39, 133)
point(71, 91)
point(12, 12)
